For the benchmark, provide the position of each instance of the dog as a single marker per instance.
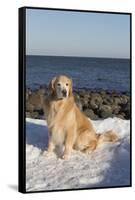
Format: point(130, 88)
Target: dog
point(67, 125)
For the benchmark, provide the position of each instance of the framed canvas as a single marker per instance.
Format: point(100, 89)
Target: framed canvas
point(74, 99)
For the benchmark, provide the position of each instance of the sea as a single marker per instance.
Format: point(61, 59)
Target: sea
point(90, 73)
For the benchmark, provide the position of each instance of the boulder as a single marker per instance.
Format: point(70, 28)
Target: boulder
point(35, 115)
point(39, 111)
point(28, 114)
point(124, 99)
point(105, 111)
point(84, 102)
point(102, 93)
point(117, 100)
point(89, 113)
point(115, 109)
point(93, 105)
point(35, 99)
point(126, 109)
point(28, 93)
point(108, 99)
point(83, 93)
point(29, 107)
point(120, 116)
point(95, 101)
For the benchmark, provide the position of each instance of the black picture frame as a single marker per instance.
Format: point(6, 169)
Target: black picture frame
point(22, 101)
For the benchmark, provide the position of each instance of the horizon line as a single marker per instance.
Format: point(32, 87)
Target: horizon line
point(127, 58)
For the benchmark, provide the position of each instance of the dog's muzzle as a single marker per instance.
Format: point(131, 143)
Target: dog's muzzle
point(64, 93)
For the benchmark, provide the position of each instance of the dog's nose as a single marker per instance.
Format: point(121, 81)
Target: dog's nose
point(64, 92)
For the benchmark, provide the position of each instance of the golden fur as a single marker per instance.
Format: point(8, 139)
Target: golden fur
point(67, 125)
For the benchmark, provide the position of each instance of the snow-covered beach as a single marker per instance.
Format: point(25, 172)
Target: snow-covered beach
point(109, 165)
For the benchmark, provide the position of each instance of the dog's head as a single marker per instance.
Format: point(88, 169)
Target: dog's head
point(61, 86)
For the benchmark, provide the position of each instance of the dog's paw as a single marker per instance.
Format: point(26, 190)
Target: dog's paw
point(87, 151)
point(47, 154)
point(65, 157)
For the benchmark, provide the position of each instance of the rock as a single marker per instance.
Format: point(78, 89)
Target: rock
point(117, 100)
point(35, 99)
point(105, 114)
point(83, 93)
point(108, 99)
point(96, 96)
point(120, 116)
point(115, 109)
point(35, 115)
point(84, 102)
point(28, 114)
point(126, 109)
point(95, 101)
point(124, 99)
point(42, 91)
point(89, 113)
point(93, 105)
point(28, 93)
point(39, 111)
point(103, 93)
point(78, 101)
point(105, 111)
point(29, 107)
point(123, 114)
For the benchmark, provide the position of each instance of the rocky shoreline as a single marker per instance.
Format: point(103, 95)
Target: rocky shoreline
point(96, 104)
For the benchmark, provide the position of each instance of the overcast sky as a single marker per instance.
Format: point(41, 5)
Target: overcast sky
point(66, 33)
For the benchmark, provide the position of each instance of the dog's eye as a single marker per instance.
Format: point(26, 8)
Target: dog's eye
point(66, 84)
point(58, 84)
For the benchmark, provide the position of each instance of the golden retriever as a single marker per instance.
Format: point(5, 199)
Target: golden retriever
point(67, 125)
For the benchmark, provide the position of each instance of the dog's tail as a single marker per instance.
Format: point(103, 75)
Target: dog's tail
point(109, 136)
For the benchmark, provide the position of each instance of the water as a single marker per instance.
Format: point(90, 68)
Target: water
point(90, 73)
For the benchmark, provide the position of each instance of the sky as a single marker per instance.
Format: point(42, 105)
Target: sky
point(84, 34)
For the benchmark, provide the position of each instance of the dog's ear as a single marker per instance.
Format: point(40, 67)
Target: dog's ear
point(71, 88)
point(51, 84)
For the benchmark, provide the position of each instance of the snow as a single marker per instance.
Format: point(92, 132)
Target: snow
point(109, 165)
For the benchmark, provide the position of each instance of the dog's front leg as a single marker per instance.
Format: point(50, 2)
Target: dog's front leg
point(68, 145)
point(50, 147)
